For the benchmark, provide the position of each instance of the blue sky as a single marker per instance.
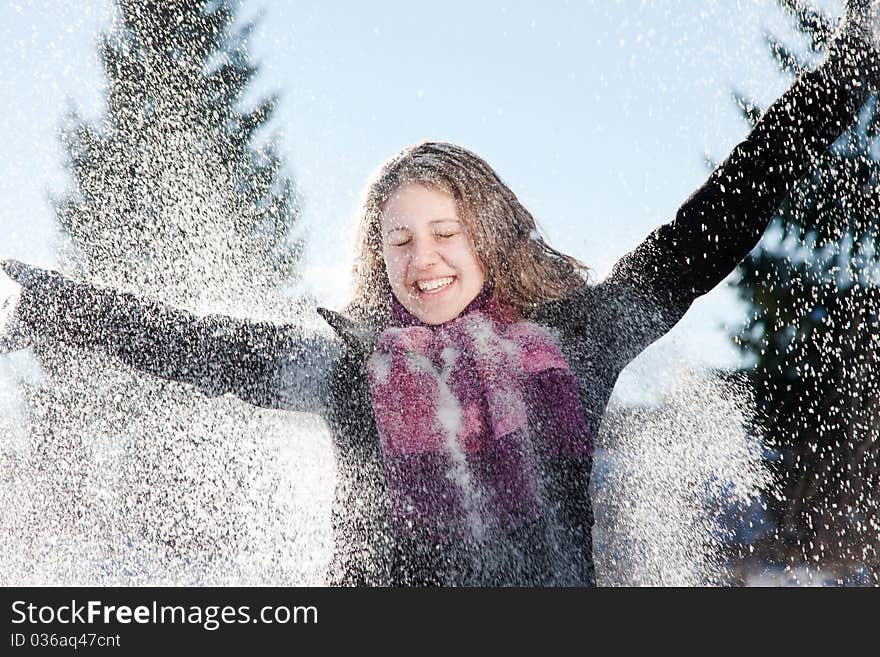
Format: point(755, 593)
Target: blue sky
point(598, 114)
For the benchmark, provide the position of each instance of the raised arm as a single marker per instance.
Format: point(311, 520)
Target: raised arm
point(269, 365)
point(724, 219)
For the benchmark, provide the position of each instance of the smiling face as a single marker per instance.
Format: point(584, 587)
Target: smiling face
point(429, 256)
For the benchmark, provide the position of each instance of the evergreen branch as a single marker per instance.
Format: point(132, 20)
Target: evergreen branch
point(786, 59)
point(245, 125)
point(227, 83)
point(811, 21)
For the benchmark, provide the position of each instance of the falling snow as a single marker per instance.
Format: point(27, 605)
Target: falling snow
point(112, 476)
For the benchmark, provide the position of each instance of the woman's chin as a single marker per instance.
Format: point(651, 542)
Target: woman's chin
point(437, 307)
point(435, 317)
point(438, 313)
point(441, 306)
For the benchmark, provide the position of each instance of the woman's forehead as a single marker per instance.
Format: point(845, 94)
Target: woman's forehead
point(416, 205)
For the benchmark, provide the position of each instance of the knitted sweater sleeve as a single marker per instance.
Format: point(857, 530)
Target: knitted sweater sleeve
point(265, 364)
point(650, 288)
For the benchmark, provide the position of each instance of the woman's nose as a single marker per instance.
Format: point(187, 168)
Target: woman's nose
point(424, 255)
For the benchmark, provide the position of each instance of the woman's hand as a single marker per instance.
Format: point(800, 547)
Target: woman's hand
point(52, 306)
point(862, 18)
point(855, 45)
point(12, 334)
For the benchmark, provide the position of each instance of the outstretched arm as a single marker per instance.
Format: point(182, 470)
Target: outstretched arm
point(269, 365)
point(725, 218)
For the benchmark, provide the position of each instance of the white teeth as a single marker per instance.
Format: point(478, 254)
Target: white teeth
point(435, 284)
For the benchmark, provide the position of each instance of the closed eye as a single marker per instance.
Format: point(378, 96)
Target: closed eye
point(398, 236)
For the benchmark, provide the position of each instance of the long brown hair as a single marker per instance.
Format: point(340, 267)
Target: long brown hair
point(524, 270)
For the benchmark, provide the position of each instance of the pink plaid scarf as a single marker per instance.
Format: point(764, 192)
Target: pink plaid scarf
point(466, 413)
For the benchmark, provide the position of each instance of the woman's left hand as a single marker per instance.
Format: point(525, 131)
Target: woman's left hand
point(863, 16)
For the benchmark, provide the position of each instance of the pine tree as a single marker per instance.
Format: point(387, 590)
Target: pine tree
point(129, 478)
point(173, 164)
point(812, 339)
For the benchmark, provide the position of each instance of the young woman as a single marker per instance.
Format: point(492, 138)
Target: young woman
point(470, 372)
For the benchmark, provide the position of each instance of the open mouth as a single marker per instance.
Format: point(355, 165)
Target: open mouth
point(434, 285)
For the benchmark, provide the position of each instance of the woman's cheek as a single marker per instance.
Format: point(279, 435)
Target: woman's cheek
point(396, 266)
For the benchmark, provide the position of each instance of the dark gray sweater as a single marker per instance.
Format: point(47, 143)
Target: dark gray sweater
point(602, 328)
